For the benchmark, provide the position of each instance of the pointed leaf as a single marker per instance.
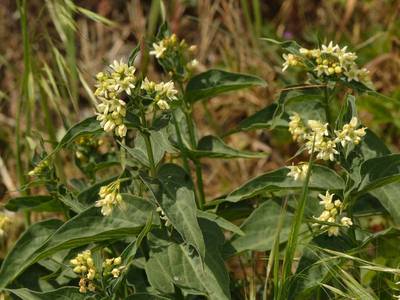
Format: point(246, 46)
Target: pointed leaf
point(87, 227)
point(214, 147)
point(322, 178)
point(187, 271)
point(214, 82)
point(26, 246)
point(174, 192)
point(64, 293)
point(35, 203)
point(260, 229)
point(87, 126)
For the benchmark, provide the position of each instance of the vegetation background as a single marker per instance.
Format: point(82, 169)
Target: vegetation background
point(51, 50)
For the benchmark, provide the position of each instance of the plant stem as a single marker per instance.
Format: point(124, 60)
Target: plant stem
point(197, 163)
point(294, 232)
point(327, 109)
point(149, 148)
point(180, 142)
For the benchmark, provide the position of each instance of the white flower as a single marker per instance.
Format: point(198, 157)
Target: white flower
point(346, 221)
point(327, 198)
point(290, 60)
point(349, 133)
point(326, 150)
point(115, 272)
point(318, 128)
point(163, 105)
point(298, 172)
point(109, 197)
point(333, 231)
point(330, 49)
point(158, 49)
point(296, 127)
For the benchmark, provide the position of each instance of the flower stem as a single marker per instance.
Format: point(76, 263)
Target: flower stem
point(149, 147)
point(199, 174)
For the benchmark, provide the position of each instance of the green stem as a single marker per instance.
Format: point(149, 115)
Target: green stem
point(294, 232)
point(327, 109)
point(149, 148)
point(180, 142)
point(199, 174)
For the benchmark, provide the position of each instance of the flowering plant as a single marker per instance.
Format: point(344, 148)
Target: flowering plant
point(138, 226)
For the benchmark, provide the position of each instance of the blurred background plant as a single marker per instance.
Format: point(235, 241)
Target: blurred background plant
point(51, 50)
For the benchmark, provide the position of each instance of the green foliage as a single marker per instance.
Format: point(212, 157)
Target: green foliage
point(137, 225)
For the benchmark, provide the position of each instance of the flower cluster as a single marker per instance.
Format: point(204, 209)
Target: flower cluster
point(163, 216)
point(298, 172)
point(332, 211)
point(39, 168)
point(329, 60)
point(162, 92)
point(84, 266)
point(112, 266)
point(109, 197)
point(110, 85)
point(4, 221)
point(174, 55)
point(316, 136)
point(349, 133)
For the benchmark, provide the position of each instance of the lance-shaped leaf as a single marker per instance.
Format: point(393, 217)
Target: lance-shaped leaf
point(214, 147)
point(160, 145)
point(214, 82)
point(220, 221)
point(35, 203)
point(184, 269)
point(26, 247)
point(260, 229)
point(379, 171)
point(174, 192)
point(87, 227)
point(322, 178)
point(87, 126)
point(262, 119)
point(68, 292)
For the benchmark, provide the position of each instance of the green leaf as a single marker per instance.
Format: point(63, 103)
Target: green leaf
point(87, 126)
point(371, 146)
point(214, 147)
point(64, 293)
point(39, 203)
point(174, 192)
point(348, 111)
point(146, 296)
point(26, 246)
point(262, 119)
point(214, 82)
point(379, 171)
point(322, 178)
point(220, 221)
point(132, 56)
point(388, 196)
point(187, 271)
point(307, 102)
point(260, 229)
point(290, 46)
point(160, 145)
point(87, 227)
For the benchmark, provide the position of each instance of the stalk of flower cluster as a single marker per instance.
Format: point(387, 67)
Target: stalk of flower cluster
point(295, 230)
point(187, 109)
point(149, 147)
